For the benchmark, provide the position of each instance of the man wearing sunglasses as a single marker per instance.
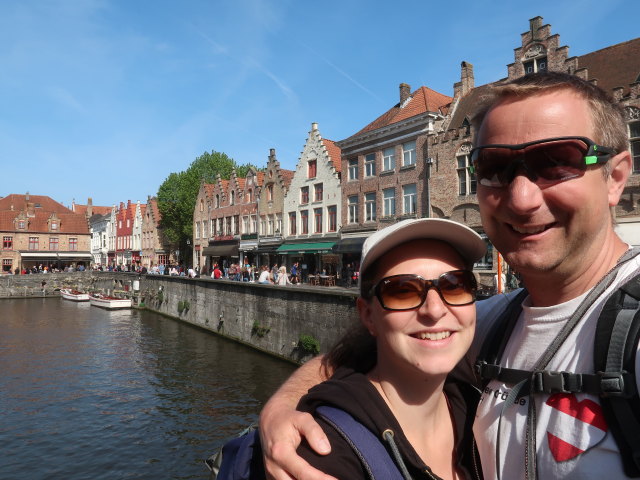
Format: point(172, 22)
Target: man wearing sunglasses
point(551, 161)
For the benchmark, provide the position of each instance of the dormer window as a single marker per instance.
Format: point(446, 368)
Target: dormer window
point(22, 224)
point(535, 65)
point(54, 225)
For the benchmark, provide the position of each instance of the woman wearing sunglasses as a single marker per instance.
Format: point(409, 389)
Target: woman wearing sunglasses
point(417, 320)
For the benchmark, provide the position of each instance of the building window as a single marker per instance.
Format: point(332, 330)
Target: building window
point(304, 222)
point(292, 223)
point(73, 244)
point(245, 224)
point(408, 153)
point(217, 202)
point(263, 225)
point(535, 65)
point(270, 192)
point(197, 230)
point(353, 169)
point(254, 224)
point(304, 195)
point(212, 227)
point(33, 243)
point(634, 139)
point(370, 165)
point(409, 199)
point(353, 208)
point(466, 180)
point(249, 196)
point(312, 167)
point(21, 224)
point(53, 243)
point(229, 229)
point(278, 223)
point(7, 264)
point(233, 198)
point(317, 220)
point(201, 205)
point(389, 159)
point(389, 202)
point(7, 243)
point(270, 224)
point(221, 226)
point(54, 225)
point(332, 213)
point(370, 207)
point(317, 192)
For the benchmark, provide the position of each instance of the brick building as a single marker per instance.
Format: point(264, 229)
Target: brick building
point(313, 206)
point(385, 167)
point(270, 211)
point(614, 68)
point(36, 230)
point(155, 246)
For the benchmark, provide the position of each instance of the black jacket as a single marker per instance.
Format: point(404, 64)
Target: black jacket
point(354, 393)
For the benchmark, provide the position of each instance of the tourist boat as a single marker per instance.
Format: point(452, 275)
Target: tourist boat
point(110, 303)
point(74, 295)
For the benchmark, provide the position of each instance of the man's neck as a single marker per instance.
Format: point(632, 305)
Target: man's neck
point(556, 287)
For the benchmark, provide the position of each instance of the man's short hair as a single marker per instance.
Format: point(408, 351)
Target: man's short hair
point(608, 119)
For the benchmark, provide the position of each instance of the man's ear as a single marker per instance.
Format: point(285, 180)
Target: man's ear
point(620, 166)
point(366, 316)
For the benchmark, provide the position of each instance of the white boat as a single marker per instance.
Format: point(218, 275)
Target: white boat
point(74, 295)
point(110, 303)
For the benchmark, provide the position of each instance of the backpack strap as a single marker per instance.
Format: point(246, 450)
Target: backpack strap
point(615, 351)
point(372, 454)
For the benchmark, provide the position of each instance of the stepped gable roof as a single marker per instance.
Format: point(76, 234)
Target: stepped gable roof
point(421, 101)
point(208, 189)
point(614, 66)
point(334, 153)
point(241, 182)
point(19, 202)
point(155, 212)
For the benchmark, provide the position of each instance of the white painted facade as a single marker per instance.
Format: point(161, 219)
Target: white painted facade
point(304, 198)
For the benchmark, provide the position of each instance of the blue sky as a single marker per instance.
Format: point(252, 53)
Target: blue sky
point(105, 98)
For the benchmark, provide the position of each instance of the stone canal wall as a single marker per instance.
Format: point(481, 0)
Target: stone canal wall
point(269, 318)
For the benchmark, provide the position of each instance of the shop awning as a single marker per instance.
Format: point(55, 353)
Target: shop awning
point(221, 250)
point(317, 247)
point(249, 246)
point(75, 255)
point(349, 245)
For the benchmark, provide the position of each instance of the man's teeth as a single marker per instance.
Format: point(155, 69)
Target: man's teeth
point(434, 336)
point(530, 230)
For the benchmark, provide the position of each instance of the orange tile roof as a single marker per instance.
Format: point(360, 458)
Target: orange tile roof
point(287, 176)
point(19, 202)
point(422, 100)
point(260, 178)
point(334, 153)
point(69, 222)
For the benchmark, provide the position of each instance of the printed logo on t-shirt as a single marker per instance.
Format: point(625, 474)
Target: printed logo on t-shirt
point(574, 426)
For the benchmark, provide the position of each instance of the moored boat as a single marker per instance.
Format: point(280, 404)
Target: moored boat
point(110, 303)
point(74, 295)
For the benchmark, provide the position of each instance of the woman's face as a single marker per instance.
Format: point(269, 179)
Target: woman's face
point(431, 338)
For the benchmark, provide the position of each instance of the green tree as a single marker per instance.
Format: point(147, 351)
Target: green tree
point(177, 194)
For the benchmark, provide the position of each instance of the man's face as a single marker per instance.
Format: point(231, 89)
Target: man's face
point(552, 229)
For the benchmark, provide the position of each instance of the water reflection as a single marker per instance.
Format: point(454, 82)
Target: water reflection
point(91, 393)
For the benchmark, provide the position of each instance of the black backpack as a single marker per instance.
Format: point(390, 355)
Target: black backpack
point(615, 348)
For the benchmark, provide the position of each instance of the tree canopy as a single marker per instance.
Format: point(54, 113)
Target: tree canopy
point(177, 194)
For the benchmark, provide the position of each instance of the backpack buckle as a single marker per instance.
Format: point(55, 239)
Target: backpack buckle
point(487, 371)
point(612, 384)
point(556, 382)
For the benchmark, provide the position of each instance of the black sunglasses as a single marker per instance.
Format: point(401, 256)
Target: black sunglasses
point(406, 292)
point(545, 162)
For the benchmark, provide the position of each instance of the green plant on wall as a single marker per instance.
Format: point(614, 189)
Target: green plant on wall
point(183, 305)
point(259, 329)
point(160, 296)
point(309, 344)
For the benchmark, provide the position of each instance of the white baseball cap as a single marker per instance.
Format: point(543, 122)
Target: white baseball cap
point(467, 243)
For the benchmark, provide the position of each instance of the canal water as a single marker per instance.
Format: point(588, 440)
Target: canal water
point(87, 393)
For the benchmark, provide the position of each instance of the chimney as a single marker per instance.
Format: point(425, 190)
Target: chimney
point(272, 153)
point(314, 126)
point(534, 25)
point(405, 92)
point(466, 77)
point(89, 207)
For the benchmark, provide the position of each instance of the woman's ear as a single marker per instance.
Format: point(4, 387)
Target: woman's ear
point(366, 316)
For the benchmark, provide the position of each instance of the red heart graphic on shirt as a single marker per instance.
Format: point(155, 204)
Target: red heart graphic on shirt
point(574, 426)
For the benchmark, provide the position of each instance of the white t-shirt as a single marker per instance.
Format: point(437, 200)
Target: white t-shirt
point(572, 437)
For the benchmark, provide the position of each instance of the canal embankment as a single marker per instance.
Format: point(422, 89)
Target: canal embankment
point(293, 322)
